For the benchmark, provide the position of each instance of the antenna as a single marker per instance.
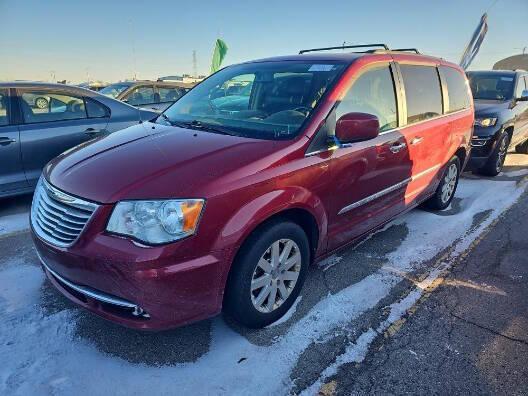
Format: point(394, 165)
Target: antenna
point(195, 64)
point(132, 37)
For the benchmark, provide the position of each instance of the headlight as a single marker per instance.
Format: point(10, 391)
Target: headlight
point(156, 222)
point(485, 122)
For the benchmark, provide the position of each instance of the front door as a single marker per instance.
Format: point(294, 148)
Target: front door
point(369, 177)
point(520, 130)
point(12, 177)
point(65, 122)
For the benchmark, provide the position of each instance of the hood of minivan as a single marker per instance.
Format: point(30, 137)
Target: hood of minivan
point(150, 161)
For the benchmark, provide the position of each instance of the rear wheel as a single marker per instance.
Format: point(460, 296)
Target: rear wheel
point(41, 103)
point(496, 160)
point(446, 188)
point(268, 274)
point(522, 148)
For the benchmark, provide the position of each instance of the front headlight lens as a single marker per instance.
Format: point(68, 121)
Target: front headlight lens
point(485, 122)
point(156, 222)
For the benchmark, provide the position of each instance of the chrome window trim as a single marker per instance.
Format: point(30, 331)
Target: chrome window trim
point(88, 291)
point(387, 131)
point(388, 190)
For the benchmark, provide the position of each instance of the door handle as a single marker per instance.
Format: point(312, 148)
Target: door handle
point(4, 141)
point(93, 131)
point(396, 148)
point(417, 140)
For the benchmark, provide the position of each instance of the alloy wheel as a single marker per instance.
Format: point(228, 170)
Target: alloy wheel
point(450, 180)
point(275, 275)
point(501, 155)
point(41, 103)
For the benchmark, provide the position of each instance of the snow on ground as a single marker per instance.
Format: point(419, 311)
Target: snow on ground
point(41, 355)
point(14, 223)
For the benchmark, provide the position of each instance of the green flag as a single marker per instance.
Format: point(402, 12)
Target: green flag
point(219, 54)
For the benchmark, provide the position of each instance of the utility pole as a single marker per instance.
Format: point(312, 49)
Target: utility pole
point(195, 64)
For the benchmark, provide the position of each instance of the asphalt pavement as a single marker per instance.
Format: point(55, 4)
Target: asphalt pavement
point(467, 336)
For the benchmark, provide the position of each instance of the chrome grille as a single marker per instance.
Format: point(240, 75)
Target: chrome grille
point(57, 217)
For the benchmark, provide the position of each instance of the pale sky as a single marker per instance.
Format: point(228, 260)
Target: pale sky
point(111, 40)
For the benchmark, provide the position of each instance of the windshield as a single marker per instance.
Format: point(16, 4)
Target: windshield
point(268, 100)
point(491, 86)
point(114, 90)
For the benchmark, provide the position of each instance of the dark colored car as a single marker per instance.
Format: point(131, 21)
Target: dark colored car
point(501, 118)
point(207, 209)
point(31, 134)
point(153, 95)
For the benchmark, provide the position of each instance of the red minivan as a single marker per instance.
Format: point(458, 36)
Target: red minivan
point(223, 201)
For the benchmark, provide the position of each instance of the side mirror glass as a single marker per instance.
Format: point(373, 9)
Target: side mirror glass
point(356, 127)
point(524, 96)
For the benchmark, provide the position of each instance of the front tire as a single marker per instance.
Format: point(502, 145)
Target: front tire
point(446, 188)
point(496, 160)
point(268, 274)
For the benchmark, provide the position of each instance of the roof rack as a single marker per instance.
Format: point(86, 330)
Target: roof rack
point(406, 50)
point(384, 46)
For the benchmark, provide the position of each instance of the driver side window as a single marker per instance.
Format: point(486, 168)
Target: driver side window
point(373, 93)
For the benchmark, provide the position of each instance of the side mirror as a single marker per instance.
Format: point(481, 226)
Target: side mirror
point(524, 96)
point(355, 127)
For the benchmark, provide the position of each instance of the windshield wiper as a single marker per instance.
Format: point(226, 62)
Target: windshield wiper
point(197, 125)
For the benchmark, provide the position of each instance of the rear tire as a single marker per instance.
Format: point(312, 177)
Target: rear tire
point(267, 275)
point(446, 188)
point(496, 160)
point(522, 148)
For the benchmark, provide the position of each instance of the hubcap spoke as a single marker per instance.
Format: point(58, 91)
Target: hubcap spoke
point(272, 297)
point(283, 291)
point(290, 275)
point(265, 265)
point(262, 295)
point(264, 280)
point(286, 251)
point(296, 258)
point(275, 254)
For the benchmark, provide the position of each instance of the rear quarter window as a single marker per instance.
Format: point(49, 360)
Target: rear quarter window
point(96, 109)
point(422, 91)
point(457, 89)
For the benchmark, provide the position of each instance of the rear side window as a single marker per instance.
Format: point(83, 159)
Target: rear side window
point(422, 90)
point(372, 93)
point(141, 96)
point(4, 107)
point(170, 94)
point(95, 109)
point(47, 106)
point(457, 89)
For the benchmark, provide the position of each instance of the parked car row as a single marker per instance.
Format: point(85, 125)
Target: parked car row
point(31, 135)
point(147, 94)
point(224, 200)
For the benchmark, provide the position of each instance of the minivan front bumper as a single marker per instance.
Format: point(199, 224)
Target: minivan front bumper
point(141, 292)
